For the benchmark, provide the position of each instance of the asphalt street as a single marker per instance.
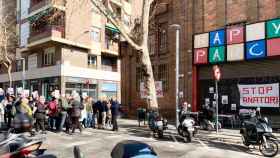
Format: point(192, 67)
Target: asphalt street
point(96, 143)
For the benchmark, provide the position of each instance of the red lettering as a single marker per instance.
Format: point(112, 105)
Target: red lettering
point(253, 90)
point(261, 90)
point(268, 89)
point(245, 91)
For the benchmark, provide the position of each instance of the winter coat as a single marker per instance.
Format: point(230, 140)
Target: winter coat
point(76, 108)
point(53, 109)
point(115, 108)
point(40, 112)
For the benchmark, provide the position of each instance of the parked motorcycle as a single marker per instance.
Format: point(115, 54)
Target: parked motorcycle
point(157, 124)
point(257, 131)
point(18, 146)
point(186, 127)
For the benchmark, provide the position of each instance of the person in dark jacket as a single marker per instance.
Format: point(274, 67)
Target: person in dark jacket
point(9, 110)
point(40, 115)
point(115, 112)
point(76, 112)
point(98, 106)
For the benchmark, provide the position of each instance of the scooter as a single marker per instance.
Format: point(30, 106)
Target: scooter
point(257, 131)
point(157, 124)
point(186, 127)
point(18, 146)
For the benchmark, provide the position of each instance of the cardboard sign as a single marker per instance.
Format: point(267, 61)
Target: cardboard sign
point(1, 92)
point(10, 91)
point(261, 95)
point(35, 94)
point(25, 93)
point(144, 92)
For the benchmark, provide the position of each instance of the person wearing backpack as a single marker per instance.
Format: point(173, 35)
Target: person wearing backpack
point(76, 109)
point(40, 115)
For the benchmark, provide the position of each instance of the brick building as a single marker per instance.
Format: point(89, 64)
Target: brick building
point(197, 17)
point(67, 45)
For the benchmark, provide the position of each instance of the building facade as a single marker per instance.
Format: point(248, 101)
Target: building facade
point(196, 80)
point(67, 45)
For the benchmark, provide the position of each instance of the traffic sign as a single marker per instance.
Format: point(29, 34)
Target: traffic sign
point(217, 72)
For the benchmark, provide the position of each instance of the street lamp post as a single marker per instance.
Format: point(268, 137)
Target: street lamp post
point(177, 27)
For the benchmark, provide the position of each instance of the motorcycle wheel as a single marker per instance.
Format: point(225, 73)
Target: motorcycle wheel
point(272, 149)
point(189, 137)
point(180, 130)
point(160, 134)
point(244, 141)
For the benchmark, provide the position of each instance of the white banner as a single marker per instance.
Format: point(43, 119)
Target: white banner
point(260, 95)
point(144, 91)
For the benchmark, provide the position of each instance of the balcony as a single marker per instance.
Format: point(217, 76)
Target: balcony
point(45, 32)
point(111, 47)
point(38, 4)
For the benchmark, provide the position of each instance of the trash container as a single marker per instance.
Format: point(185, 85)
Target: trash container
point(141, 115)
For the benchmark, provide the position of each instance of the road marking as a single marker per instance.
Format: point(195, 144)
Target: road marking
point(174, 139)
point(203, 144)
point(77, 143)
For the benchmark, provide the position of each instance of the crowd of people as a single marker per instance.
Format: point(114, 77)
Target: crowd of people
point(69, 112)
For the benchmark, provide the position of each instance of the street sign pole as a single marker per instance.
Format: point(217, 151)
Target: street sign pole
point(217, 107)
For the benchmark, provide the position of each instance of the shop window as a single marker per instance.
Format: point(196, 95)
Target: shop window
point(163, 76)
point(95, 35)
point(92, 61)
point(48, 58)
point(152, 44)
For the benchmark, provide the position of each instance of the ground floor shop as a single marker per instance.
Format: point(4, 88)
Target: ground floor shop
point(66, 85)
point(254, 78)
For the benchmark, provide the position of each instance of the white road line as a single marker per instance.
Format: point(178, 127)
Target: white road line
point(203, 144)
point(174, 139)
point(76, 144)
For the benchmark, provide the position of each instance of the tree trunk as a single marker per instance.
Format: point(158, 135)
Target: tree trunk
point(149, 80)
point(10, 75)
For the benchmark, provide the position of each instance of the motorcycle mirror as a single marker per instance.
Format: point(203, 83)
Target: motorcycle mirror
point(77, 152)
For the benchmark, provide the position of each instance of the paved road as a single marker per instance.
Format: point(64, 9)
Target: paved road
point(99, 143)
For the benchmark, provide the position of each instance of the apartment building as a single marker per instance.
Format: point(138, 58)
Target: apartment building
point(67, 45)
point(254, 20)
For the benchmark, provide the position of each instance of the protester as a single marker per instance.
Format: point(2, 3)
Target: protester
point(40, 115)
point(2, 113)
point(94, 112)
point(63, 104)
point(9, 110)
point(89, 112)
point(115, 112)
point(76, 112)
point(53, 112)
point(99, 109)
point(103, 111)
point(108, 114)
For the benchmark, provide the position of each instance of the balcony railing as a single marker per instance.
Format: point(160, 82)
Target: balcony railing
point(40, 4)
point(47, 31)
point(112, 68)
point(111, 47)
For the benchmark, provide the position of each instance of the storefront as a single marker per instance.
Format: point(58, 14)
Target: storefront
point(109, 90)
point(248, 57)
point(82, 86)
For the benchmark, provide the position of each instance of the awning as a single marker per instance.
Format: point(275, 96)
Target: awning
point(112, 28)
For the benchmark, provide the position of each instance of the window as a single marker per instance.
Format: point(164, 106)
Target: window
point(139, 77)
point(49, 56)
point(109, 64)
point(19, 65)
point(92, 61)
point(163, 75)
point(152, 44)
point(95, 35)
point(163, 41)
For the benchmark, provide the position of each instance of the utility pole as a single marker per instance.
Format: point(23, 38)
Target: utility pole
point(177, 27)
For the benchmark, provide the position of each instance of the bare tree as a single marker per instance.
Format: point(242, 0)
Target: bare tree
point(137, 36)
point(8, 42)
